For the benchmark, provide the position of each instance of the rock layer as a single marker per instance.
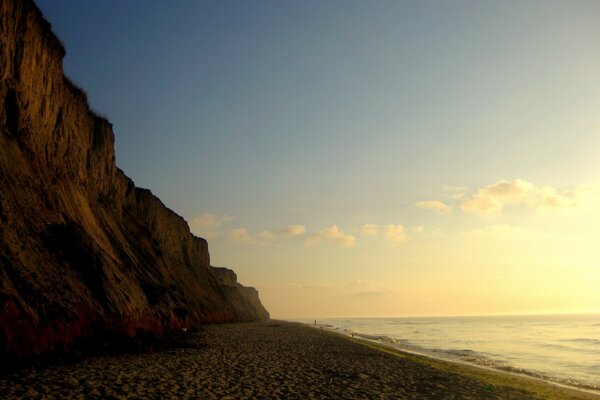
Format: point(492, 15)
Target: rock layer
point(82, 249)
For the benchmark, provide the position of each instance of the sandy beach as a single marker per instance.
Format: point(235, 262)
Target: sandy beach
point(278, 360)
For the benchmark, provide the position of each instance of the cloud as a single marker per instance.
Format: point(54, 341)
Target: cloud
point(263, 238)
point(332, 235)
point(358, 288)
point(266, 237)
point(418, 229)
point(496, 231)
point(456, 192)
point(369, 230)
point(207, 224)
point(241, 235)
point(395, 233)
point(493, 198)
point(434, 205)
point(364, 288)
point(292, 231)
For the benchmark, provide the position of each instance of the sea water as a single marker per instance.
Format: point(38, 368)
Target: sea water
point(559, 348)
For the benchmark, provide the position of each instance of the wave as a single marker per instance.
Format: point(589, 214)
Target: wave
point(569, 375)
point(380, 338)
point(455, 352)
point(582, 340)
point(476, 358)
point(557, 346)
point(472, 357)
point(562, 381)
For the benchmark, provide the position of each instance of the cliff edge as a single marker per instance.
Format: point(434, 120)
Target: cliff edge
point(83, 251)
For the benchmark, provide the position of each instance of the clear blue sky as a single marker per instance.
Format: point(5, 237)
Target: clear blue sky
point(249, 117)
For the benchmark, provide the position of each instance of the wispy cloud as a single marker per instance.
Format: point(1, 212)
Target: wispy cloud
point(369, 229)
point(266, 237)
point(207, 224)
point(434, 205)
point(357, 288)
point(496, 231)
point(241, 235)
point(364, 288)
point(292, 230)
point(332, 235)
point(456, 192)
point(395, 233)
point(418, 229)
point(263, 238)
point(494, 198)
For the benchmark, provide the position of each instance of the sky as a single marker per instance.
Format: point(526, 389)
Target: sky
point(363, 159)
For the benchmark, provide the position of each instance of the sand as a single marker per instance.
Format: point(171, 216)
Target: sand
point(275, 360)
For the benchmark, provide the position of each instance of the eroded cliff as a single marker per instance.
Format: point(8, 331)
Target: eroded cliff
point(82, 250)
point(239, 295)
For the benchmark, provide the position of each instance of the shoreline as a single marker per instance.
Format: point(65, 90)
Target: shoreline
point(275, 359)
point(378, 341)
point(459, 365)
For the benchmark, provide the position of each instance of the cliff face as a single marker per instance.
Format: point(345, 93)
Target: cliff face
point(82, 250)
point(239, 295)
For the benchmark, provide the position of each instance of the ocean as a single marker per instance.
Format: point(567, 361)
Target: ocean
point(564, 349)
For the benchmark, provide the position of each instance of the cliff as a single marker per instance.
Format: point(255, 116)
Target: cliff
point(239, 295)
point(83, 251)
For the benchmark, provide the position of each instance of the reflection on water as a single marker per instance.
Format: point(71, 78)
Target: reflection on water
point(560, 348)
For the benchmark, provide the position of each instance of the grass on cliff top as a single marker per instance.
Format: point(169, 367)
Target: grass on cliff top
point(493, 378)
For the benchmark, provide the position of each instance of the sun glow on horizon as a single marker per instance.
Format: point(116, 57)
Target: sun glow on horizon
point(534, 253)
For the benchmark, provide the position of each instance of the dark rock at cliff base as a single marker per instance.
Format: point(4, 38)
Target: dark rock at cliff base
point(82, 249)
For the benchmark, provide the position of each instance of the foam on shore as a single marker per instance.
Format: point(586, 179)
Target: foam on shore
point(462, 357)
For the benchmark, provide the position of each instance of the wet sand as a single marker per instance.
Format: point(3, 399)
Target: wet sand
point(275, 360)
